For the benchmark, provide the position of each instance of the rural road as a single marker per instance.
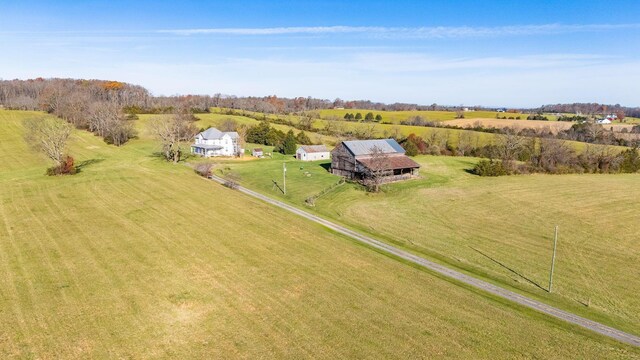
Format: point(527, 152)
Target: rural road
point(443, 270)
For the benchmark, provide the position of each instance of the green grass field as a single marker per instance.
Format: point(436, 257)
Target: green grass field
point(397, 116)
point(500, 229)
point(137, 258)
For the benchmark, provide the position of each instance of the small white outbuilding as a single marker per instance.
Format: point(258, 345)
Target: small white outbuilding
point(312, 153)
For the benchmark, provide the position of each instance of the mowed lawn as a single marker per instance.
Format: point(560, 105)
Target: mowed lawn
point(500, 229)
point(137, 258)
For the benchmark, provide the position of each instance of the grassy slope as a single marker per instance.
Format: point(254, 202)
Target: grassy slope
point(455, 218)
point(134, 257)
point(215, 120)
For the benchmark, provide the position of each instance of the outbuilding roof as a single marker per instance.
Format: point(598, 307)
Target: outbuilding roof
point(365, 147)
point(314, 148)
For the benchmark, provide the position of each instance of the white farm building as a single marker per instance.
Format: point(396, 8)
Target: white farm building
point(312, 153)
point(213, 142)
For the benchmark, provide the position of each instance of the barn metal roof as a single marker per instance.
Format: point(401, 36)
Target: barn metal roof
point(365, 147)
point(392, 162)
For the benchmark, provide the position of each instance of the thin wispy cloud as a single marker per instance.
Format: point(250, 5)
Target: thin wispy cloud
point(410, 32)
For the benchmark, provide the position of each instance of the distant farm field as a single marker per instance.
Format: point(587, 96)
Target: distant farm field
point(398, 116)
point(137, 258)
point(497, 228)
point(554, 126)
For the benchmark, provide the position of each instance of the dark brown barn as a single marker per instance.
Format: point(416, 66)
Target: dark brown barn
point(357, 160)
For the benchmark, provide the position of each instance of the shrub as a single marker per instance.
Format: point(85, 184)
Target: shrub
point(231, 181)
point(204, 169)
point(630, 161)
point(66, 167)
point(489, 168)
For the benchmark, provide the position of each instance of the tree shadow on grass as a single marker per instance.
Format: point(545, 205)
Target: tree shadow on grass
point(326, 166)
point(83, 164)
point(157, 155)
point(510, 269)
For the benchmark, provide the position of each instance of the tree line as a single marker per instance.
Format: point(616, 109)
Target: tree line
point(514, 154)
point(358, 117)
point(591, 109)
point(282, 142)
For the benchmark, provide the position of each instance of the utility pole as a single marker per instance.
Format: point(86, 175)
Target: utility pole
point(553, 259)
point(284, 178)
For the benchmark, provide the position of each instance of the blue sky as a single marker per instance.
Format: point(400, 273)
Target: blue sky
point(496, 53)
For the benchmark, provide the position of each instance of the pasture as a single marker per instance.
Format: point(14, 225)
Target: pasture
point(499, 229)
point(137, 258)
point(553, 126)
point(397, 116)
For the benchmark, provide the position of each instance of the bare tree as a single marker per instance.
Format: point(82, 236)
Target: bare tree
point(205, 168)
point(378, 169)
point(107, 120)
point(229, 124)
point(242, 138)
point(365, 131)
point(509, 148)
point(396, 132)
point(171, 132)
point(552, 155)
point(465, 142)
point(102, 115)
point(307, 121)
point(48, 136)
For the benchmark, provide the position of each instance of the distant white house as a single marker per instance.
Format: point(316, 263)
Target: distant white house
point(603, 121)
point(213, 142)
point(312, 153)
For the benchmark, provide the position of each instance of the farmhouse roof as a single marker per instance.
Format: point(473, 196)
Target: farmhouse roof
point(214, 134)
point(365, 147)
point(392, 162)
point(314, 148)
point(257, 150)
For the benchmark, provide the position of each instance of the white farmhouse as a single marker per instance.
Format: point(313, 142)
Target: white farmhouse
point(604, 121)
point(213, 142)
point(312, 153)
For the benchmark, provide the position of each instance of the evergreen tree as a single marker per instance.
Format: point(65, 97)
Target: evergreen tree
point(410, 148)
point(358, 116)
point(303, 139)
point(369, 116)
point(378, 117)
point(630, 161)
point(289, 144)
point(258, 134)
